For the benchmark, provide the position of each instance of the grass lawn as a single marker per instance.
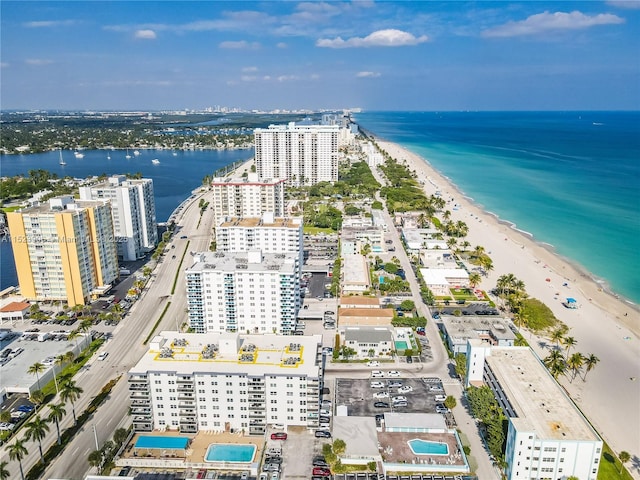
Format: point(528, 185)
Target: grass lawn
point(316, 230)
point(610, 466)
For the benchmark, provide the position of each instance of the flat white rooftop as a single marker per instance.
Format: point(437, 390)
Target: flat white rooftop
point(244, 262)
point(355, 270)
point(540, 403)
point(187, 353)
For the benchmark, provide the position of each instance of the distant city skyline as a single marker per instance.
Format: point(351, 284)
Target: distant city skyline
point(426, 55)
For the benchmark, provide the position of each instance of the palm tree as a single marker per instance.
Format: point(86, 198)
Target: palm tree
point(5, 416)
point(59, 361)
point(474, 279)
point(71, 392)
point(589, 362)
point(36, 369)
point(624, 458)
point(17, 451)
point(73, 335)
point(56, 413)
point(69, 356)
point(556, 363)
point(568, 343)
point(478, 251)
point(4, 473)
point(575, 363)
point(557, 336)
point(37, 397)
point(37, 430)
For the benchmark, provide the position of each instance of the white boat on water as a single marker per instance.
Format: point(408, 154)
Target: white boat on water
point(127, 156)
point(155, 161)
point(62, 162)
point(78, 154)
point(175, 154)
point(108, 157)
point(136, 153)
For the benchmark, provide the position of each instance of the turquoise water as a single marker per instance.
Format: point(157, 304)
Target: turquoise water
point(425, 447)
point(173, 178)
point(571, 179)
point(224, 452)
point(168, 443)
point(400, 345)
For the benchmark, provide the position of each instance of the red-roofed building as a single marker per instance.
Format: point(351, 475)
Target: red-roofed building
point(14, 311)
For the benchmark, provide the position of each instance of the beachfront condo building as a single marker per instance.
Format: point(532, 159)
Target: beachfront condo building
point(303, 154)
point(64, 250)
point(547, 437)
point(247, 197)
point(134, 213)
point(250, 292)
point(266, 233)
point(226, 382)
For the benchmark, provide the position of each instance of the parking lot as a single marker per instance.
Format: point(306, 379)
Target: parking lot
point(360, 397)
point(375, 476)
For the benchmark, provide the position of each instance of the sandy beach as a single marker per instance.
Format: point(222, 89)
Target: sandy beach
point(602, 325)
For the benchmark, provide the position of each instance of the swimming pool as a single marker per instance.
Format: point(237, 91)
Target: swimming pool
point(425, 447)
point(401, 345)
point(225, 452)
point(158, 442)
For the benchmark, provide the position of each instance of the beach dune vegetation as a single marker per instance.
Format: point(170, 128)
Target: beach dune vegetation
point(537, 316)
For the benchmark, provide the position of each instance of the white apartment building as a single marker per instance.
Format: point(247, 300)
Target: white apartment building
point(247, 196)
point(134, 213)
point(64, 250)
point(303, 154)
point(548, 437)
point(267, 233)
point(243, 292)
point(223, 382)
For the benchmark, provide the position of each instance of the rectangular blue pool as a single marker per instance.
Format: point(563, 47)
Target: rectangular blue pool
point(225, 452)
point(167, 443)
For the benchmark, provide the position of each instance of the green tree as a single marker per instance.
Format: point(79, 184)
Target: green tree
point(56, 413)
point(407, 305)
point(474, 279)
point(556, 363)
point(71, 392)
point(95, 458)
point(624, 458)
point(339, 446)
point(568, 343)
point(589, 362)
point(450, 402)
point(36, 369)
point(37, 430)
point(120, 435)
point(37, 397)
point(575, 363)
point(557, 336)
point(5, 416)
point(4, 473)
point(17, 451)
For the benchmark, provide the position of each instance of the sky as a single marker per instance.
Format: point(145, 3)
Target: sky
point(375, 55)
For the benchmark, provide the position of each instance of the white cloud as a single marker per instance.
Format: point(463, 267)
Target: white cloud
point(250, 69)
point(314, 76)
point(145, 34)
point(547, 22)
point(49, 23)
point(287, 78)
point(380, 38)
point(4, 64)
point(248, 78)
point(281, 45)
point(629, 4)
point(38, 62)
point(367, 74)
point(241, 45)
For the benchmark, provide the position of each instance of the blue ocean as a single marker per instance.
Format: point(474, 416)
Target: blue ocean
point(174, 177)
point(571, 179)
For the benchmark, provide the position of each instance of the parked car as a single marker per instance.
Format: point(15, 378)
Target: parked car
point(405, 389)
point(322, 434)
point(440, 398)
point(409, 359)
point(276, 460)
point(393, 373)
point(278, 436)
point(440, 408)
point(103, 355)
point(324, 420)
point(395, 384)
point(381, 395)
point(400, 404)
point(377, 374)
point(321, 471)
point(399, 398)
point(373, 363)
point(381, 405)
point(271, 467)
point(378, 384)
point(436, 388)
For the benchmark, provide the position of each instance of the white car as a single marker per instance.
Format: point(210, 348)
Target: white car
point(399, 398)
point(405, 389)
point(436, 388)
point(103, 355)
point(381, 395)
point(393, 373)
point(325, 413)
point(377, 385)
point(440, 398)
point(373, 363)
point(377, 374)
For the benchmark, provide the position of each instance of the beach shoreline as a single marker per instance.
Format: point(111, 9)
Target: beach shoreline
point(604, 324)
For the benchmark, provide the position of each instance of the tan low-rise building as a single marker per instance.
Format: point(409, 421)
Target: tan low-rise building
point(365, 316)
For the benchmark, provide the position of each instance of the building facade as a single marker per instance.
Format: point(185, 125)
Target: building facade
point(133, 208)
point(247, 197)
point(548, 437)
point(303, 154)
point(64, 250)
point(226, 382)
point(243, 292)
point(267, 233)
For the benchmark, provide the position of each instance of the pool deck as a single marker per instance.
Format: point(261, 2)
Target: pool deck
point(395, 449)
point(196, 451)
